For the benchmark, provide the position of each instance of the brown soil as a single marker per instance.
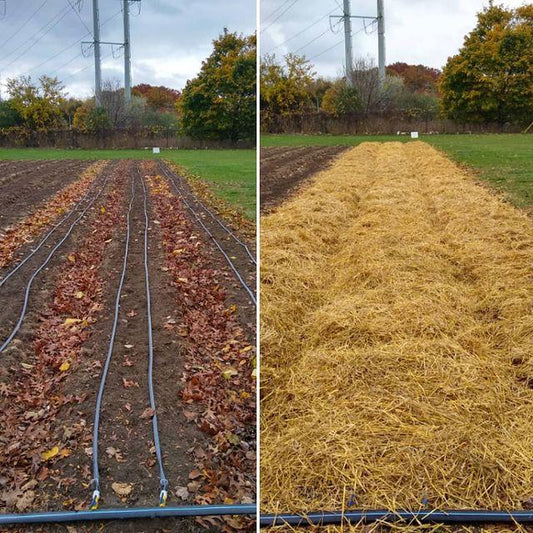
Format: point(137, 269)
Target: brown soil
point(284, 169)
point(25, 185)
point(236, 294)
point(122, 428)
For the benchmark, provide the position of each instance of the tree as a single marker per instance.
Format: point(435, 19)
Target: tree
point(286, 88)
point(220, 102)
point(159, 98)
point(417, 78)
point(491, 78)
point(38, 105)
point(341, 99)
point(9, 116)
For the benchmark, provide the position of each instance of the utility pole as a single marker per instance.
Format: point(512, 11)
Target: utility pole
point(127, 52)
point(348, 42)
point(381, 42)
point(97, 58)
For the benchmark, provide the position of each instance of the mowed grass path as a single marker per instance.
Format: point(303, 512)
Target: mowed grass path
point(505, 161)
point(230, 173)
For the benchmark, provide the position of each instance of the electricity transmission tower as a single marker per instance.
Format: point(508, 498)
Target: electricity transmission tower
point(96, 44)
point(348, 50)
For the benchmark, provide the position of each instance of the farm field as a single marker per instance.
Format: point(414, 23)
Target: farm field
point(504, 161)
point(397, 333)
point(284, 168)
point(230, 173)
point(76, 237)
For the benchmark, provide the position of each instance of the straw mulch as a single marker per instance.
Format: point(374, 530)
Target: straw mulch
point(397, 340)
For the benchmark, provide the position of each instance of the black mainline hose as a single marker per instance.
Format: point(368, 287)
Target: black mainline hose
point(162, 478)
point(215, 218)
point(47, 236)
point(206, 229)
point(96, 474)
point(43, 265)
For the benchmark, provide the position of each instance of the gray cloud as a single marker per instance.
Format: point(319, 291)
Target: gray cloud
point(170, 38)
point(417, 31)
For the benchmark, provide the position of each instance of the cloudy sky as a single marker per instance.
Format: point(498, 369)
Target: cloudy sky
point(417, 31)
point(170, 38)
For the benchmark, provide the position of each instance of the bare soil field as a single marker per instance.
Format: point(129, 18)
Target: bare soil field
point(397, 333)
point(51, 370)
point(24, 184)
point(284, 169)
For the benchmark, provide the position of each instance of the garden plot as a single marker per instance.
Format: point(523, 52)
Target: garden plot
point(52, 368)
point(284, 169)
point(397, 333)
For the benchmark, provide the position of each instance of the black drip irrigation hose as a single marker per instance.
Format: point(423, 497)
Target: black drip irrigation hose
point(213, 238)
point(128, 514)
point(96, 473)
point(48, 235)
point(425, 516)
point(216, 219)
point(22, 315)
point(162, 478)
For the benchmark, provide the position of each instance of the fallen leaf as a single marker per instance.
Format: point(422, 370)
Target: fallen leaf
point(128, 383)
point(229, 373)
point(79, 295)
point(102, 210)
point(195, 474)
point(148, 413)
point(122, 489)
point(127, 406)
point(71, 321)
point(132, 312)
point(128, 346)
point(25, 501)
point(65, 452)
point(52, 452)
point(65, 366)
point(71, 258)
point(182, 492)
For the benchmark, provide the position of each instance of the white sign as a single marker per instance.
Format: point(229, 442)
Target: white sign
point(414, 135)
point(156, 150)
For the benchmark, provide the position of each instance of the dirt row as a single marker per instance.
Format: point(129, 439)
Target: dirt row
point(74, 298)
point(25, 184)
point(284, 169)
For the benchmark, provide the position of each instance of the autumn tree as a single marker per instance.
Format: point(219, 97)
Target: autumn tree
point(220, 102)
point(286, 87)
point(417, 78)
point(341, 99)
point(159, 97)
point(491, 78)
point(39, 105)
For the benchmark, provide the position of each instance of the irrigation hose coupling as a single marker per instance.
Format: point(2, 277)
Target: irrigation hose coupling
point(163, 495)
point(95, 500)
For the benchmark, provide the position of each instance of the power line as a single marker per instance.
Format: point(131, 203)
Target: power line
point(71, 46)
point(312, 41)
point(61, 14)
point(23, 25)
point(333, 46)
point(275, 10)
point(79, 16)
point(303, 31)
point(279, 16)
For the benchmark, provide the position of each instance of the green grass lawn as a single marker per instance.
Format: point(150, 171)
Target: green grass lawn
point(505, 161)
point(230, 173)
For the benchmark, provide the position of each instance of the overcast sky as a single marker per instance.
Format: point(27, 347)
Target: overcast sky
point(170, 38)
point(417, 31)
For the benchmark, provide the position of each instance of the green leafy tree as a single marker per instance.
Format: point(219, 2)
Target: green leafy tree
point(286, 88)
point(341, 99)
point(40, 106)
point(220, 102)
point(9, 116)
point(491, 78)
